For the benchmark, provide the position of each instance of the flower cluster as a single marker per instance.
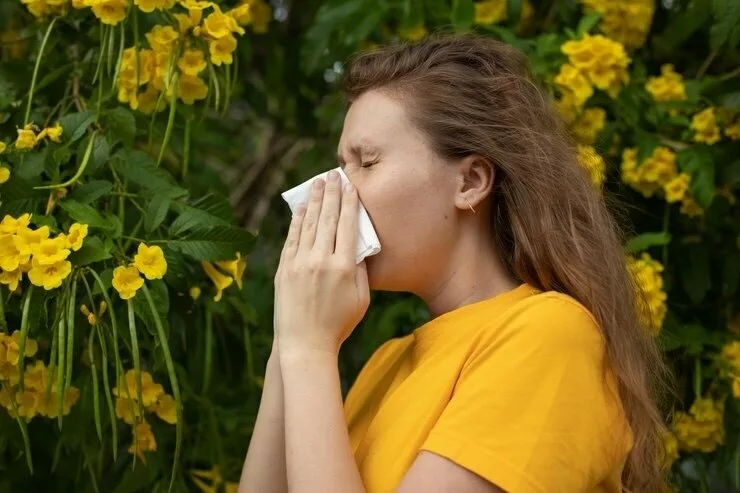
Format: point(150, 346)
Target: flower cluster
point(489, 12)
point(28, 138)
point(704, 125)
point(670, 448)
point(153, 400)
point(148, 261)
point(33, 400)
point(702, 428)
point(651, 298)
point(32, 251)
point(669, 86)
point(223, 274)
point(731, 356)
point(43, 8)
point(593, 62)
point(594, 164)
point(587, 126)
point(627, 21)
point(214, 477)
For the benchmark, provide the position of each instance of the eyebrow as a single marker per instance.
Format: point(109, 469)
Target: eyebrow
point(358, 150)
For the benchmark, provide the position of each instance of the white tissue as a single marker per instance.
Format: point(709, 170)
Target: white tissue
point(367, 241)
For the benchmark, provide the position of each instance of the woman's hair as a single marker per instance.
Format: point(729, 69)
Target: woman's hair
point(552, 227)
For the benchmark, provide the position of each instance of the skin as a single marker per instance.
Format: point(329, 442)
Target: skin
point(300, 441)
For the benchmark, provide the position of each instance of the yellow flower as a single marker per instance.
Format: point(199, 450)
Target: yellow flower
point(127, 281)
point(593, 163)
point(627, 21)
point(413, 33)
point(150, 261)
point(188, 21)
point(221, 50)
point(12, 345)
point(28, 403)
point(3, 146)
point(11, 225)
point(49, 407)
point(165, 408)
point(109, 12)
point(733, 131)
point(220, 280)
point(191, 89)
point(261, 13)
point(11, 278)
point(572, 80)
point(194, 291)
point(4, 174)
point(26, 239)
point(38, 8)
point(670, 446)
point(192, 62)
point(147, 101)
point(242, 14)
point(219, 25)
point(76, 234)
point(54, 133)
point(196, 4)
point(49, 276)
point(231, 487)
point(702, 428)
point(128, 410)
point(161, 38)
point(79, 4)
point(490, 12)
point(653, 174)
point(668, 87)
point(675, 190)
point(36, 375)
point(150, 390)
point(651, 298)
point(603, 61)
point(589, 125)
point(143, 441)
point(91, 318)
point(10, 257)
point(151, 5)
point(705, 127)
point(26, 138)
point(690, 207)
point(235, 268)
point(50, 251)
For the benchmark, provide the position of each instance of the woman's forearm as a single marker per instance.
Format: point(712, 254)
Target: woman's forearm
point(318, 452)
point(264, 468)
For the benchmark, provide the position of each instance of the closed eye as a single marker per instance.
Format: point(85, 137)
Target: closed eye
point(368, 164)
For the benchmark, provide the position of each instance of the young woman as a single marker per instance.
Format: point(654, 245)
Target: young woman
point(534, 375)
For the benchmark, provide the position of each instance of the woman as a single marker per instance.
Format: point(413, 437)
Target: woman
point(534, 374)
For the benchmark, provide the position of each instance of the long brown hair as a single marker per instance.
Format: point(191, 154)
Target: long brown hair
point(552, 228)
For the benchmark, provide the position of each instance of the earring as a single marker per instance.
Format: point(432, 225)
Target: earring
point(471, 207)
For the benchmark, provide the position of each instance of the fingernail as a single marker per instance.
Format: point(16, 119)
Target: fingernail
point(333, 175)
point(300, 210)
point(318, 184)
point(348, 187)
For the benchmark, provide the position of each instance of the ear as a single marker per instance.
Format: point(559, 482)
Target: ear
point(476, 177)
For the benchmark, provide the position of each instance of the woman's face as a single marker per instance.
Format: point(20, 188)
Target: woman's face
point(407, 189)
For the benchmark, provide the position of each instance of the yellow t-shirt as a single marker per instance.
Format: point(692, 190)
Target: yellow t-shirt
point(514, 388)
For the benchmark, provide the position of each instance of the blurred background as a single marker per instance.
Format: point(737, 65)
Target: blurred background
point(199, 113)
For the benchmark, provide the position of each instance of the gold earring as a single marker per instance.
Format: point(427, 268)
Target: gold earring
point(471, 207)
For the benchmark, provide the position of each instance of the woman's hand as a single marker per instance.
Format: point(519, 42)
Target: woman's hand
point(321, 294)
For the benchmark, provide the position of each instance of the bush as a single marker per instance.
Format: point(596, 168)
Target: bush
point(131, 335)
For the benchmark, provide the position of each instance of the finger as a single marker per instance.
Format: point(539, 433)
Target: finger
point(311, 220)
point(346, 244)
point(326, 234)
point(294, 233)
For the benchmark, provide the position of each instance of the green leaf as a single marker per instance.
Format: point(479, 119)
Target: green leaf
point(682, 26)
point(75, 124)
point(91, 191)
point(156, 212)
point(121, 125)
point(692, 337)
point(39, 220)
point(646, 240)
point(19, 197)
point(726, 22)
point(141, 169)
point(587, 23)
point(159, 292)
point(205, 212)
point(86, 214)
point(731, 100)
point(56, 158)
point(514, 11)
point(646, 144)
point(33, 164)
point(695, 272)
point(463, 14)
point(92, 251)
point(99, 155)
point(330, 18)
point(216, 243)
point(698, 162)
point(413, 13)
point(731, 274)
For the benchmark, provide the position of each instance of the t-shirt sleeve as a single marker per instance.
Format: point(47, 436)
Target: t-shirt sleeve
point(531, 410)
